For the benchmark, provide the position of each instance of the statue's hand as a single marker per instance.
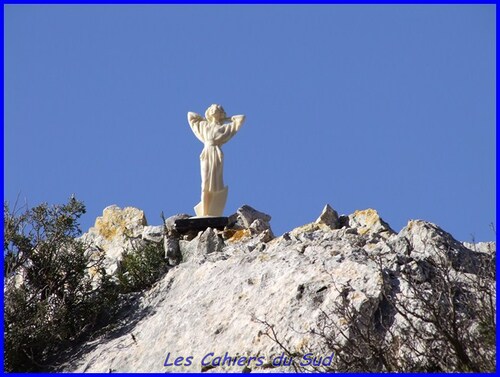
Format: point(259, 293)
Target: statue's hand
point(238, 118)
point(194, 117)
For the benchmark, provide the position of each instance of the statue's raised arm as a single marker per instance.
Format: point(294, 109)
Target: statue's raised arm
point(194, 121)
point(194, 117)
point(230, 129)
point(238, 121)
point(213, 133)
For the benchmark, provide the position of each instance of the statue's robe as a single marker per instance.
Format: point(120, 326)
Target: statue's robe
point(213, 191)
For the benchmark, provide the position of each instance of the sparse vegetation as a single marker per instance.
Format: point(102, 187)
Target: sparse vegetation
point(57, 291)
point(445, 322)
point(50, 297)
point(141, 266)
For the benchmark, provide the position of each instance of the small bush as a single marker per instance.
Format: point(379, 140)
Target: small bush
point(141, 267)
point(51, 299)
point(57, 291)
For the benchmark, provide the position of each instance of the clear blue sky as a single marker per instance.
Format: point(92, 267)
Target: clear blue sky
point(385, 107)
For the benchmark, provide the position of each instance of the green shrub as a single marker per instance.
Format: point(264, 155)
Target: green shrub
point(51, 299)
point(57, 292)
point(141, 267)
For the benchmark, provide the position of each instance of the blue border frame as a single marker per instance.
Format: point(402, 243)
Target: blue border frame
point(230, 2)
point(315, 2)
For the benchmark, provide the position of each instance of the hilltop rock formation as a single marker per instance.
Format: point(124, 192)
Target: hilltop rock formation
point(115, 230)
point(244, 294)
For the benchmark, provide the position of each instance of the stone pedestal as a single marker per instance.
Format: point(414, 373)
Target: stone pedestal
point(196, 224)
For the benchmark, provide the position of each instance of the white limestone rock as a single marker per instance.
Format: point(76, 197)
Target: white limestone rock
point(205, 305)
point(172, 250)
point(216, 299)
point(246, 215)
point(153, 233)
point(197, 249)
point(481, 247)
point(329, 217)
point(113, 233)
point(248, 226)
point(428, 241)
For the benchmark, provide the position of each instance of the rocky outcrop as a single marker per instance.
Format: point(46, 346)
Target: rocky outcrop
point(329, 217)
point(114, 232)
point(369, 222)
point(199, 249)
point(228, 287)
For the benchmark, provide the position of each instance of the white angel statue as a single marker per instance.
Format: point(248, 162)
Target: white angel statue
point(213, 132)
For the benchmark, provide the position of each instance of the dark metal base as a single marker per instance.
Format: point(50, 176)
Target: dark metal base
point(200, 223)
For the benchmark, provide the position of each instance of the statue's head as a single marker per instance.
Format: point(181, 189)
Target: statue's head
point(215, 113)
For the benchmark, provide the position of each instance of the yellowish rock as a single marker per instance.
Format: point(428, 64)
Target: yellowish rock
point(115, 221)
point(240, 235)
point(311, 227)
point(368, 221)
